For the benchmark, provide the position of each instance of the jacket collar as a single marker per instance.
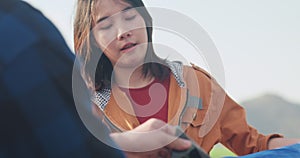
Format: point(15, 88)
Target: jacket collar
point(101, 98)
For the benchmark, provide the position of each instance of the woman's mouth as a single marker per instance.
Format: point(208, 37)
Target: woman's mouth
point(128, 47)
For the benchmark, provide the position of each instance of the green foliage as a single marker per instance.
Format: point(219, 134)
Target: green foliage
point(220, 151)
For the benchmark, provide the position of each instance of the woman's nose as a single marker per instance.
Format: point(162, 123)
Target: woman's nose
point(124, 35)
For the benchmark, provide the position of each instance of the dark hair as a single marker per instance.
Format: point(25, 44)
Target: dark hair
point(88, 52)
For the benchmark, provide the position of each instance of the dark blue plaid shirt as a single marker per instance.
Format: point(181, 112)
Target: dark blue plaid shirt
point(37, 112)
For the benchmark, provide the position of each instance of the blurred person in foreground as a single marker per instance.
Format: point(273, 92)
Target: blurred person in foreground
point(38, 117)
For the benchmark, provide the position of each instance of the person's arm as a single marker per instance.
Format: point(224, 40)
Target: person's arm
point(237, 134)
point(152, 138)
point(254, 140)
point(280, 142)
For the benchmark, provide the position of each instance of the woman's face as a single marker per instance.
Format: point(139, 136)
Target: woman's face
point(120, 31)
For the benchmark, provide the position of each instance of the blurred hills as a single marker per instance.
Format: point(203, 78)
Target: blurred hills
point(271, 113)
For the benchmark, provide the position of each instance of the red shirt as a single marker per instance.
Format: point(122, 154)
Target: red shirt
point(150, 101)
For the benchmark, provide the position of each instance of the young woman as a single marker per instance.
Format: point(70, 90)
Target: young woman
point(131, 84)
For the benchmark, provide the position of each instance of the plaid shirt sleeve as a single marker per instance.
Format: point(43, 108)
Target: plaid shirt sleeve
point(37, 112)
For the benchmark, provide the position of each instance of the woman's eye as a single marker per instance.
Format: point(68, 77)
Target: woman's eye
point(105, 27)
point(130, 18)
point(130, 14)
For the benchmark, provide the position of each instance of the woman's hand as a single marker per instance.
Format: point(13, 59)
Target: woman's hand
point(154, 138)
point(280, 142)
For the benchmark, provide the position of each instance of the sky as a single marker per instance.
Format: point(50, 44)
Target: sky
point(258, 40)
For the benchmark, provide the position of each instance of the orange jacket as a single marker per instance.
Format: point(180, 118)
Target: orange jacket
point(201, 107)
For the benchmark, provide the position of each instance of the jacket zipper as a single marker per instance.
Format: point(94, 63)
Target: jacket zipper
point(184, 109)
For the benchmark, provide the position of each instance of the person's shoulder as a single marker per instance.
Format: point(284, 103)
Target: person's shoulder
point(198, 69)
point(36, 22)
point(6, 5)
